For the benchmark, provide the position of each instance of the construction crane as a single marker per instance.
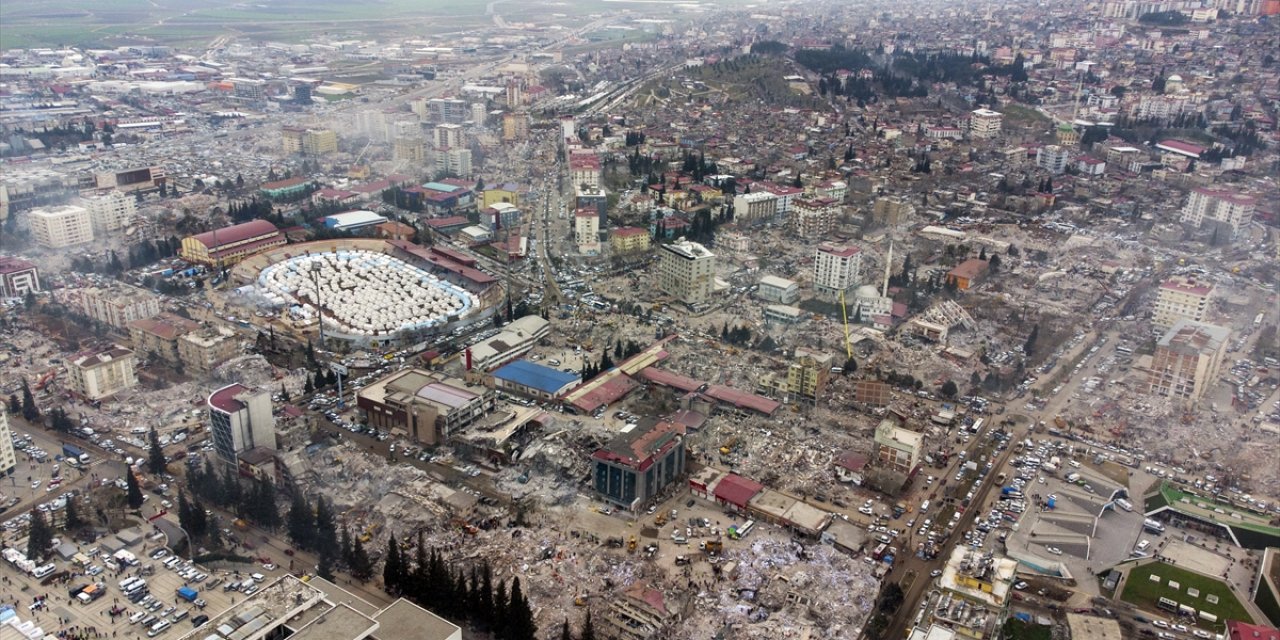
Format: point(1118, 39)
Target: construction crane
point(844, 311)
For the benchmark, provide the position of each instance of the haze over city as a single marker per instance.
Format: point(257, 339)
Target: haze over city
point(639, 320)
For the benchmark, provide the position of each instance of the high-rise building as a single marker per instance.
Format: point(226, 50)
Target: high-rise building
point(835, 270)
point(17, 277)
point(310, 142)
point(808, 374)
point(637, 465)
point(584, 170)
point(892, 211)
point(240, 419)
point(686, 271)
point(248, 90)
point(1187, 360)
point(985, 123)
point(447, 135)
point(317, 142)
point(515, 126)
point(447, 110)
point(814, 217)
point(1179, 298)
point(102, 374)
point(1053, 158)
point(456, 162)
point(8, 460)
point(110, 211)
point(586, 231)
point(64, 226)
point(479, 114)
point(1229, 209)
point(754, 207)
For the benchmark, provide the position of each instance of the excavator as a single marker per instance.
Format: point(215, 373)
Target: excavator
point(631, 544)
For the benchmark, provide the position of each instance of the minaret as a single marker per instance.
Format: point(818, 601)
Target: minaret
point(888, 264)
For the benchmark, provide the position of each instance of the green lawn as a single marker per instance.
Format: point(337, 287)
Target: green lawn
point(1015, 629)
point(1140, 590)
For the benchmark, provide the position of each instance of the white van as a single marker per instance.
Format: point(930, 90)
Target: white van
point(1142, 546)
point(158, 628)
point(137, 617)
point(924, 506)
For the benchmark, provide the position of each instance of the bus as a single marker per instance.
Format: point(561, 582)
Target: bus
point(1167, 605)
point(977, 425)
point(738, 533)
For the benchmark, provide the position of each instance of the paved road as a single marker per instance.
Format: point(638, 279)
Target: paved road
point(909, 563)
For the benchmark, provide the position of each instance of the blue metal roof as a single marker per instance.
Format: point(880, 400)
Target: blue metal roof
point(535, 376)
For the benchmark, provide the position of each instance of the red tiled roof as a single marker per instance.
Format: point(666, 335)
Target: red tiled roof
point(1238, 630)
point(236, 233)
point(626, 232)
point(11, 264)
point(669, 379)
point(969, 269)
point(737, 490)
point(742, 399)
point(282, 184)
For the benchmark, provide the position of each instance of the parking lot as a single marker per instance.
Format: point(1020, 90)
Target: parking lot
point(113, 611)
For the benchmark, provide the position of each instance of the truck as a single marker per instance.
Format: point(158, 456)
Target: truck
point(72, 452)
point(188, 594)
point(91, 593)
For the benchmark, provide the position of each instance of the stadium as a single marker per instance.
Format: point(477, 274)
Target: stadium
point(367, 292)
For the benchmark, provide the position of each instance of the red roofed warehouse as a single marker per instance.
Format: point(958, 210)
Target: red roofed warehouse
point(967, 273)
point(230, 245)
point(638, 464)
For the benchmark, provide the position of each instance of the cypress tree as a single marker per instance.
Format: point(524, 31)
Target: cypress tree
point(133, 491)
point(500, 602)
point(39, 536)
point(588, 629)
point(392, 569)
point(361, 566)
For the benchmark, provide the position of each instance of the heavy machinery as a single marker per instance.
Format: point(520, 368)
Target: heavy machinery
point(660, 520)
point(631, 544)
point(713, 547)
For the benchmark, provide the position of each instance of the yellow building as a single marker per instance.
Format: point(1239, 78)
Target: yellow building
point(629, 240)
point(515, 126)
point(230, 245)
point(311, 142)
point(505, 193)
point(316, 142)
point(808, 374)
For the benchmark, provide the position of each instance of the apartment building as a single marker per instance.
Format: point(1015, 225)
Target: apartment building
point(455, 162)
point(897, 448)
point(239, 420)
point(447, 110)
point(1180, 298)
point(814, 217)
point(585, 170)
point(110, 211)
point(586, 231)
point(63, 226)
point(102, 374)
point(686, 271)
point(8, 459)
point(629, 239)
point(754, 208)
point(447, 135)
point(779, 290)
point(17, 277)
point(1187, 360)
point(116, 305)
point(1230, 210)
point(786, 195)
point(515, 126)
point(808, 373)
point(985, 124)
point(158, 336)
point(835, 269)
point(203, 350)
point(1053, 158)
point(891, 211)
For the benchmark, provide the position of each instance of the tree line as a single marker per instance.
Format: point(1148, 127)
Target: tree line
point(469, 596)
